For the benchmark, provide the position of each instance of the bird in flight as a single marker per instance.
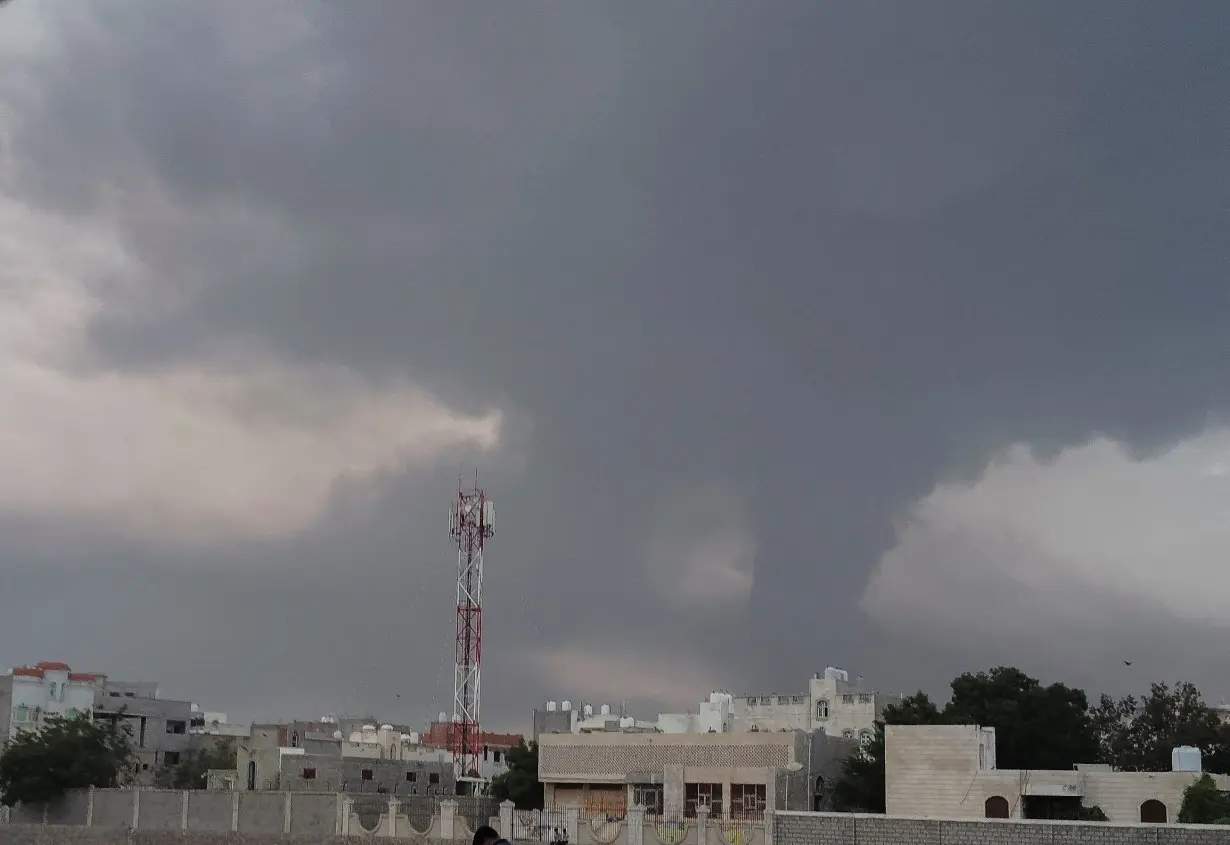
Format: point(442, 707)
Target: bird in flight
point(1127, 663)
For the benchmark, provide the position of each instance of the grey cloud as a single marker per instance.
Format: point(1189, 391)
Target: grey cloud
point(823, 256)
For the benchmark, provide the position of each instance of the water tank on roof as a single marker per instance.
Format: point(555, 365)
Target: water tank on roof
point(627, 722)
point(1185, 758)
point(835, 674)
point(568, 706)
point(456, 719)
point(589, 710)
point(605, 710)
point(386, 727)
point(368, 728)
point(443, 716)
point(337, 734)
point(550, 706)
point(414, 737)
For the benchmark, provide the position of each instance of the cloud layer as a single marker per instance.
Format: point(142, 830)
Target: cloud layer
point(1073, 540)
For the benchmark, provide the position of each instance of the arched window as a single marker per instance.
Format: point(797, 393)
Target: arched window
point(996, 807)
point(822, 709)
point(251, 775)
point(1153, 812)
point(864, 737)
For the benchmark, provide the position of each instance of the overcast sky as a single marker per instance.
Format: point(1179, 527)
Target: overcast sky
point(886, 335)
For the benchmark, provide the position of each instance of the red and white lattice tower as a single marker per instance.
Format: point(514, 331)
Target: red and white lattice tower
point(471, 524)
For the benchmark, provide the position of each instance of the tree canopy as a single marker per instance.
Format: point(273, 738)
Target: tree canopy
point(67, 753)
point(1204, 803)
point(520, 783)
point(193, 765)
point(1137, 735)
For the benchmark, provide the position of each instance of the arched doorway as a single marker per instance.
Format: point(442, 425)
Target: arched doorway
point(1153, 812)
point(251, 775)
point(996, 807)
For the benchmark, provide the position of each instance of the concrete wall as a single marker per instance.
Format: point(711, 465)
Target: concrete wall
point(854, 829)
point(261, 813)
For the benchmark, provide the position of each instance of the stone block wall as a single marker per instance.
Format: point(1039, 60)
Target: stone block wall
point(790, 828)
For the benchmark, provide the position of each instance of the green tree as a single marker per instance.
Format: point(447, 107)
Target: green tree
point(520, 783)
point(1036, 727)
point(859, 785)
point(67, 753)
point(193, 765)
point(1204, 803)
point(1137, 735)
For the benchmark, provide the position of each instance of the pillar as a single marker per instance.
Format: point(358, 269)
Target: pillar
point(572, 821)
point(347, 809)
point(769, 821)
point(286, 807)
point(506, 820)
point(136, 808)
point(394, 806)
point(89, 809)
point(235, 810)
point(448, 814)
point(702, 825)
point(183, 812)
point(636, 825)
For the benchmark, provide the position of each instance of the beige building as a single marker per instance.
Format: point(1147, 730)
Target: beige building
point(732, 775)
point(949, 771)
point(833, 704)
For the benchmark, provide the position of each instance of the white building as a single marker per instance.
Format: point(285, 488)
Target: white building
point(215, 723)
point(832, 704)
point(29, 694)
point(949, 771)
point(713, 715)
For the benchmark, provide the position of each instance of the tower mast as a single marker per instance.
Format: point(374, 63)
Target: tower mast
point(471, 524)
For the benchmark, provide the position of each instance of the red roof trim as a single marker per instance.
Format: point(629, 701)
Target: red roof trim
point(53, 666)
point(82, 676)
point(27, 672)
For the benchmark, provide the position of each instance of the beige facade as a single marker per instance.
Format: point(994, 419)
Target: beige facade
point(833, 704)
point(948, 771)
point(675, 774)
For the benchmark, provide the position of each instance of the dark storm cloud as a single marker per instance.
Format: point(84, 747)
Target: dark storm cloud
point(819, 258)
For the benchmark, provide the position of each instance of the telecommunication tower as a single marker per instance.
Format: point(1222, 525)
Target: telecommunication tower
point(471, 523)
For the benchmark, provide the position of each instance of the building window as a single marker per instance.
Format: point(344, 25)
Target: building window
point(649, 797)
point(996, 807)
point(176, 726)
point(865, 737)
point(747, 800)
point(847, 734)
point(433, 778)
point(366, 774)
point(114, 694)
point(822, 709)
point(495, 756)
point(1153, 812)
point(53, 689)
point(848, 698)
point(697, 795)
point(766, 699)
point(411, 777)
point(129, 694)
point(309, 773)
point(864, 698)
point(171, 758)
point(797, 699)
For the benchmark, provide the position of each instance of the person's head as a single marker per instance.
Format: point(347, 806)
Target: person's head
point(486, 835)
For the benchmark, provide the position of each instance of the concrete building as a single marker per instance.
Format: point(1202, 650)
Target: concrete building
point(29, 694)
point(714, 715)
point(493, 761)
point(158, 726)
point(214, 723)
point(832, 704)
point(317, 756)
point(674, 774)
point(949, 771)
